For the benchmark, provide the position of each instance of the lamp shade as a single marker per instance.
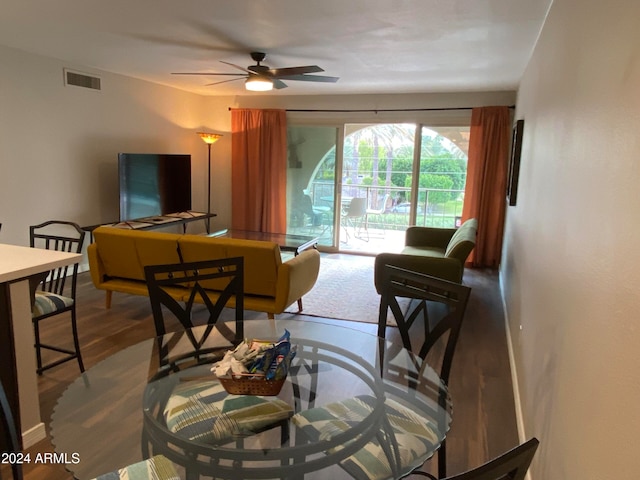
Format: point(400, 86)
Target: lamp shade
point(209, 137)
point(257, 83)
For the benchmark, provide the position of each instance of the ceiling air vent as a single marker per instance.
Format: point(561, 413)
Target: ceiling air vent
point(78, 79)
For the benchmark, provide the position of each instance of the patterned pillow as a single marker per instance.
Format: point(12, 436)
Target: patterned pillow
point(414, 434)
point(203, 411)
point(46, 302)
point(156, 468)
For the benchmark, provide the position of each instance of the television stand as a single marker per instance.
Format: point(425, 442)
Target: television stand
point(157, 221)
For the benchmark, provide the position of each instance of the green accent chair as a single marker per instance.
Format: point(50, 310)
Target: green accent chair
point(438, 252)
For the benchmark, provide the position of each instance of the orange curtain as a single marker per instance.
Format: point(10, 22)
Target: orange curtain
point(485, 191)
point(258, 170)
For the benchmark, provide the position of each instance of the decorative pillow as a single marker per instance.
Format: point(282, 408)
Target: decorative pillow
point(414, 434)
point(203, 411)
point(46, 303)
point(156, 468)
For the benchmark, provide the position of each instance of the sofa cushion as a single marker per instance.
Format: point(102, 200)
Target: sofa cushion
point(424, 251)
point(125, 253)
point(118, 253)
point(156, 248)
point(261, 260)
point(261, 263)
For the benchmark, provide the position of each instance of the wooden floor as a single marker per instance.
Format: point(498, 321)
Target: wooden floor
point(484, 423)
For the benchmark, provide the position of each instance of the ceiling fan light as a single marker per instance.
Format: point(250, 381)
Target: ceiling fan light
point(257, 83)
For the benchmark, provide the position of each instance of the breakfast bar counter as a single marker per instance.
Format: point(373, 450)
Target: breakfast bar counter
point(21, 269)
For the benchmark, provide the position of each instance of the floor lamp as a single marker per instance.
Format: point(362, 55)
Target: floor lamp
point(209, 139)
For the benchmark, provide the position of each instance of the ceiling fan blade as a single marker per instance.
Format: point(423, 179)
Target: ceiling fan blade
point(207, 73)
point(237, 66)
point(287, 72)
point(279, 84)
point(313, 78)
point(223, 81)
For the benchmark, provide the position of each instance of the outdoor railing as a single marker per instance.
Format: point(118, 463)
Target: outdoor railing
point(435, 207)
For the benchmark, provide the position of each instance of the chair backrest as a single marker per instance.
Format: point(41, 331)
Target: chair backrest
point(306, 205)
point(179, 287)
point(398, 284)
point(62, 236)
point(382, 207)
point(357, 207)
point(463, 241)
point(9, 435)
point(512, 465)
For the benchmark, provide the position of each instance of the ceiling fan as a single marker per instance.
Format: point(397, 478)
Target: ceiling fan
point(261, 78)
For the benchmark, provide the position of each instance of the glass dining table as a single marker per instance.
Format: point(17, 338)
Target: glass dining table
point(116, 413)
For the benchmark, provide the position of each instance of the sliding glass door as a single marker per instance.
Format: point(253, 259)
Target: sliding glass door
point(359, 186)
point(442, 174)
point(407, 174)
point(311, 182)
point(377, 168)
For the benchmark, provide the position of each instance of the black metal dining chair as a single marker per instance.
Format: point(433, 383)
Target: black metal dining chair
point(411, 435)
point(441, 305)
point(179, 288)
point(10, 435)
point(189, 411)
point(56, 294)
point(511, 465)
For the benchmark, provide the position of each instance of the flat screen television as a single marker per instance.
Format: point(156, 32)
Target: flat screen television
point(153, 184)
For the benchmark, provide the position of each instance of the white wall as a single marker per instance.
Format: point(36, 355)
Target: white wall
point(571, 267)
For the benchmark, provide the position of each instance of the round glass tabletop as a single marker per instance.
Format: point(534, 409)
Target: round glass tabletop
point(348, 396)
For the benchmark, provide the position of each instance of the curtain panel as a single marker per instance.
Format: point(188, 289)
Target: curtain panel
point(485, 191)
point(258, 170)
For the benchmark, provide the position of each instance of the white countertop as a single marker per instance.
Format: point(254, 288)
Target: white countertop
point(18, 262)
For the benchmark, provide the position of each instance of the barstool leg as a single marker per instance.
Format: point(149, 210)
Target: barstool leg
point(76, 342)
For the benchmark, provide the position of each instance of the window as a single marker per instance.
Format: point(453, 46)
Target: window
point(377, 162)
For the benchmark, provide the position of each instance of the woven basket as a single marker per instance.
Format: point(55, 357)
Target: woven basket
point(250, 385)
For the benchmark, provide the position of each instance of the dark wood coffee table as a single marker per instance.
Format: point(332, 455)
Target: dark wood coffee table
point(287, 243)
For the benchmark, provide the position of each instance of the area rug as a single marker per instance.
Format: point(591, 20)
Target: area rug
point(344, 290)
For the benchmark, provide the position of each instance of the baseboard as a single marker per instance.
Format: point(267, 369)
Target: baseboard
point(522, 437)
point(33, 435)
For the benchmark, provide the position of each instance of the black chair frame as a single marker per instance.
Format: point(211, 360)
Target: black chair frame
point(10, 435)
point(512, 465)
point(402, 283)
point(55, 282)
point(186, 279)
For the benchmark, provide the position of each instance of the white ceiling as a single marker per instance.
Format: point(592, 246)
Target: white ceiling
point(374, 46)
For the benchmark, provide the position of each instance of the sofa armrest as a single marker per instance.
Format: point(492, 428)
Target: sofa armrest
point(96, 267)
point(296, 277)
point(428, 237)
point(445, 268)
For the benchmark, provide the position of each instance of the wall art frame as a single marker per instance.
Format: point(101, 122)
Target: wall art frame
point(514, 163)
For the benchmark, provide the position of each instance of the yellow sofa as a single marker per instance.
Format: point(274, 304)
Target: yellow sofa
point(117, 259)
